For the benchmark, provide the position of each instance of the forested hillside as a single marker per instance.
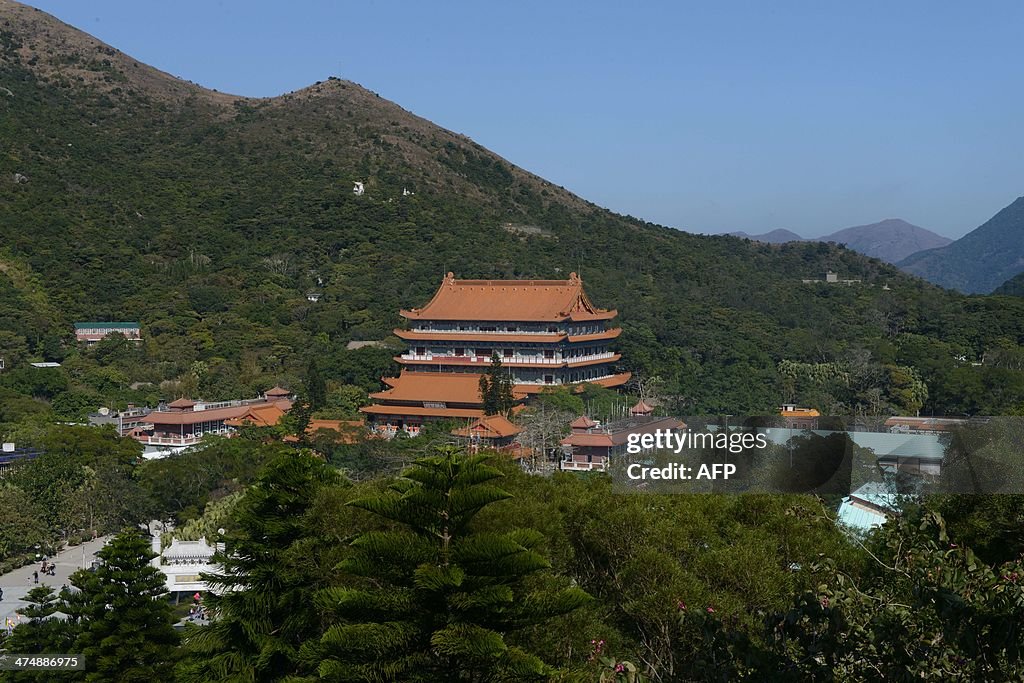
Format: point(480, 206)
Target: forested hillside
point(1013, 286)
point(126, 194)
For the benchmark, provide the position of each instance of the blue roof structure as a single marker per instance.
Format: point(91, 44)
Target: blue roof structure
point(868, 507)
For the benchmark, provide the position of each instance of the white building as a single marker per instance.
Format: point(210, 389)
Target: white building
point(182, 562)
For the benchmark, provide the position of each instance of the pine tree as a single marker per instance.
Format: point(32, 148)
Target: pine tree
point(43, 633)
point(262, 606)
point(316, 388)
point(433, 599)
point(296, 421)
point(487, 396)
point(496, 388)
point(123, 615)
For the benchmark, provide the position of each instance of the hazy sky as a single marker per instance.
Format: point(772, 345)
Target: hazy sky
point(710, 117)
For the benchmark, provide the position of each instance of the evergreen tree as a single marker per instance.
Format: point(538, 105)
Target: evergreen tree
point(432, 599)
point(263, 609)
point(296, 421)
point(496, 388)
point(316, 387)
point(123, 616)
point(41, 634)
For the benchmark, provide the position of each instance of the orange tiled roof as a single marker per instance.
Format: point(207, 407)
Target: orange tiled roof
point(800, 412)
point(511, 300)
point(181, 403)
point(490, 427)
point(604, 440)
point(470, 413)
point(277, 391)
point(618, 434)
point(597, 336)
point(346, 431)
point(186, 417)
point(642, 407)
point(434, 387)
point(613, 381)
point(266, 415)
point(496, 337)
point(582, 422)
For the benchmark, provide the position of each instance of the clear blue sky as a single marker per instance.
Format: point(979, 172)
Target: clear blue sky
point(710, 117)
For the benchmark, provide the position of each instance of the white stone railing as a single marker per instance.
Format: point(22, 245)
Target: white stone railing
point(571, 465)
point(170, 440)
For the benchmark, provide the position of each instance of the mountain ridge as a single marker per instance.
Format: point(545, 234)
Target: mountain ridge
point(980, 261)
point(891, 239)
point(777, 236)
point(77, 56)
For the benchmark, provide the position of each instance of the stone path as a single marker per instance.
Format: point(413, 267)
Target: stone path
point(17, 583)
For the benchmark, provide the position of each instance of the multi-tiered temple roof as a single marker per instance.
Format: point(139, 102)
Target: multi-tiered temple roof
point(510, 300)
point(546, 333)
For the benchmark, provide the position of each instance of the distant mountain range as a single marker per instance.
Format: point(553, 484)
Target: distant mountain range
point(779, 236)
point(980, 261)
point(890, 240)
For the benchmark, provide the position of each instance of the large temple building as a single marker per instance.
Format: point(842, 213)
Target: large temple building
point(547, 333)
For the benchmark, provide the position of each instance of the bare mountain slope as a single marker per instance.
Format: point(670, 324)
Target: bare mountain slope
point(891, 240)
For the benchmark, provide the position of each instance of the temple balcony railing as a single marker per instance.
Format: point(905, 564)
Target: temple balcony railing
point(505, 360)
point(478, 332)
point(542, 383)
point(187, 440)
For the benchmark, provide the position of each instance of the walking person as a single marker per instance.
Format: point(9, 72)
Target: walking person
point(35, 577)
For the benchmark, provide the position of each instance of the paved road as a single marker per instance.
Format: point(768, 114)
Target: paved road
point(19, 582)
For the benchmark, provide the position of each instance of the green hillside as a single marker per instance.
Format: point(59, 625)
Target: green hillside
point(126, 194)
point(1014, 286)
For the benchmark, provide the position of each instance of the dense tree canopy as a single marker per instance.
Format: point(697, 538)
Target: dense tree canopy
point(467, 566)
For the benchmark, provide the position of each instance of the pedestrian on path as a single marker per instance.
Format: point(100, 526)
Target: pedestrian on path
point(35, 577)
